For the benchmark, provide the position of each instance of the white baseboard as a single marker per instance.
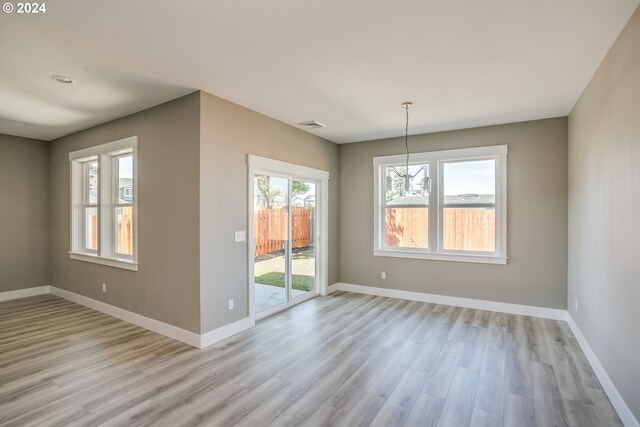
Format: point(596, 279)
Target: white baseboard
point(174, 332)
point(23, 293)
point(625, 414)
point(224, 332)
point(162, 328)
point(502, 307)
point(332, 288)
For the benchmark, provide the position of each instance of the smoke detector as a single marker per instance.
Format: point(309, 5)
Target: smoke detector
point(313, 124)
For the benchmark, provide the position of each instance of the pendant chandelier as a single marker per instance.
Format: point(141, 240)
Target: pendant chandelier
point(405, 174)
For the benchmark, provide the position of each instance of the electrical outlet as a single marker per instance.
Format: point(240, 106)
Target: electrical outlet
point(230, 304)
point(104, 287)
point(241, 236)
point(383, 275)
point(576, 305)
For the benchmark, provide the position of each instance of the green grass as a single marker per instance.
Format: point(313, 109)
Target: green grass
point(274, 278)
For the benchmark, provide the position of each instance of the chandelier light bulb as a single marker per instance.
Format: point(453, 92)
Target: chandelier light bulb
point(426, 183)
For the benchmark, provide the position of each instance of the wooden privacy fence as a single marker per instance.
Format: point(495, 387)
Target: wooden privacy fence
point(406, 227)
point(470, 229)
point(124, 232)
point(270, 229)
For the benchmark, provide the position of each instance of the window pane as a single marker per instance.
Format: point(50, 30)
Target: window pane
point(303, 262)
point(271, 234)
point(472, 229)
point(91, 182)
point(469, 183)
point(125, 179)
point(124, 230)
point(406, 227)
point(91, 228)
point(397, 192)
point(469, 216)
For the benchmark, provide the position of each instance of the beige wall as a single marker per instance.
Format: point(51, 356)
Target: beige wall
point(166, 287)
point(24, 213)
point(192, 186)
point(536, 273)
point(228, 133)
point(604, 213)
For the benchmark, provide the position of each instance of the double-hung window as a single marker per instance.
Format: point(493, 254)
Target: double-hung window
point(103, 204)
point(449, 205)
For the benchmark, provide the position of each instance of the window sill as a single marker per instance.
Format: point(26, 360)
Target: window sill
point(111, 262)
point(481, 259)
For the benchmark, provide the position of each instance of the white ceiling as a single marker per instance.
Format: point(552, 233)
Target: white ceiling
point(348, 64)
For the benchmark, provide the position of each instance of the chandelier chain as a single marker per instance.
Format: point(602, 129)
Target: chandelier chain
point(406, 136)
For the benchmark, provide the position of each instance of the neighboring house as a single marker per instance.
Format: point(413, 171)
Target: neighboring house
point(307, 199)
point(462, 200)
point(125, 190)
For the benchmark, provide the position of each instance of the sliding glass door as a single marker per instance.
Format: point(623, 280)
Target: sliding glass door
point(285, 236)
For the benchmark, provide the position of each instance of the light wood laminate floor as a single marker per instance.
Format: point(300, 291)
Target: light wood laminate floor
point(345, 359)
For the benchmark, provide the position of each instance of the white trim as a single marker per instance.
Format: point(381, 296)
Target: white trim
point(251, 242)
point(106, 154)
point(263, 165)
point(220, 334)
point(501, 307)
point(285, 305)
point(277, 166)
point(435, 160)
point(332, 288)
point(377, 205)
point(24, 293)
point(109, 147)
point(501, 176)
point(323, 242)
point(441, 256)
point(625, 414)
point(124, 264)
point(488, 151)
point(174, 332)
point(153, 325)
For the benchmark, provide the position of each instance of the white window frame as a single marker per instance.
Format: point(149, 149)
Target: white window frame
point(86, 203)
point(115, 200)
point(435, 160)
point(264, 166)
point(108, 200)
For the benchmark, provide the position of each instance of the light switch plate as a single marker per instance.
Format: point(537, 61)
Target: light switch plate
point(241, 236)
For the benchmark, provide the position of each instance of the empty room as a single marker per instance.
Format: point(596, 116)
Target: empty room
point(356, 213)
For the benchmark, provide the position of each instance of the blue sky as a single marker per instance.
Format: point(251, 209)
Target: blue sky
point(475, 177)
point(125, 167)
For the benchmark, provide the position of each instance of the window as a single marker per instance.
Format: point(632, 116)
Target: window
point(103, 204)
point(453, 206)
point(406, 212)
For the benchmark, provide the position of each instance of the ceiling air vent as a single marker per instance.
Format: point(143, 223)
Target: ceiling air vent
point(313, 124)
